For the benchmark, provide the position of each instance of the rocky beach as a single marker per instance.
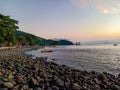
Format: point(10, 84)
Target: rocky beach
point(20, 72)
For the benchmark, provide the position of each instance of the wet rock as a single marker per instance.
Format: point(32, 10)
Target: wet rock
point(37, 88)
point(20, 79)
point(2, 70)
point(1, 73)
point(96, 87)
point(25, 87)
point(16, 87)
point(102, 85)
point(48, 88)
point(96, 81)
point(114, 87)
point(76, 86)
point(10, 76)
point(8, 84)
point(119, 75)
point(102, 77)
point(1, 82)
point(32, 82)
point(55, 88)
point(61, 72)
point(59, 82)
point(5, 79)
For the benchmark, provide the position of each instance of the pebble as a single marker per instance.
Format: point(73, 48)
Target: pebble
point(8, 84)
point(76, 86)
point(114, 87)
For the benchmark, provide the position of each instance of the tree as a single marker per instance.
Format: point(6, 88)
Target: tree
point(7, 30)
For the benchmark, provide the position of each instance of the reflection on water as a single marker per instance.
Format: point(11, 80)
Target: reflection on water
point(99, 58)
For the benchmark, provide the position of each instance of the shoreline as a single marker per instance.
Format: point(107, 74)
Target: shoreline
point(20, 72)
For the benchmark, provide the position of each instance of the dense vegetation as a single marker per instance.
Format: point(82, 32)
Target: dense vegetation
point(9, 35)
point(7, 30)
point(26, 37)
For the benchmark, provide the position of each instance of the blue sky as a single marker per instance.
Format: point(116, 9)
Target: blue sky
point(76, 20)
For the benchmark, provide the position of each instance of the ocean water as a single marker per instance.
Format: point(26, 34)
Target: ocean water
point(99, 58)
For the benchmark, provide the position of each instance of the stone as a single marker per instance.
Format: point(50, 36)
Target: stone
point(10, 76)
point(114, 87)
point(1, 73)
point(96, 81)
point(20, 79)
point(8, 84)
point(25, 87)
point(102, 77)
point(4, 89)
point(48, 88)
point(55, 88)
point(2, 70)
point(32, 82)
point(5, 79)
point(37, 88)
point(59, 82)
point(97, 87)
point(76, 86)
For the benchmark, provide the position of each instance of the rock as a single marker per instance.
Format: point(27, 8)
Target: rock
point(61, 72)
point(96, 87)
point(75, 86)
point(2, 70)
point(25, 87)
point(59, 82)
point(16, 87)
point(5, 79)
point(48, 88)
point(119, 75)
point(4, 89)
point(30, 88)
point(10, 76)
point(102, 77)
point(37, 88)
point(8, 84)
point(114, 87)
point(1, 82)
point(55, 88)
point(20, 79)
point(96, 81)
point(32, 82)
point(1, 73)
point(67, 85)
point(102, 85)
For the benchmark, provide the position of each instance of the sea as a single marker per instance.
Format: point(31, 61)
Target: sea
point(100, 58)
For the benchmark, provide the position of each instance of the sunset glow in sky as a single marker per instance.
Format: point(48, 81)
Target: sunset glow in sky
point(76, 20)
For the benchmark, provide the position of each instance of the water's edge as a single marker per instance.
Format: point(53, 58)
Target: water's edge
point(92, 58)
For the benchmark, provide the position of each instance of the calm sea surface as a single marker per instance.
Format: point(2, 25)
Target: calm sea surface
point(98, 58)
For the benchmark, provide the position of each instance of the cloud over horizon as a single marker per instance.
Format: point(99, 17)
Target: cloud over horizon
point(104, 6)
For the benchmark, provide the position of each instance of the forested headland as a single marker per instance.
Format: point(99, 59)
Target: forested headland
point(10, 35)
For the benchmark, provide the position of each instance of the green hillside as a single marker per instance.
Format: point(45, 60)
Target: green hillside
point(33, 40)
point(27, 37)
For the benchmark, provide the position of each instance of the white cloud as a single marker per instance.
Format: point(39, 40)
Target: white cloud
point(104, 6)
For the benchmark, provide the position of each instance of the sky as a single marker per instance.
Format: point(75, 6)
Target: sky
point(75, 20)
